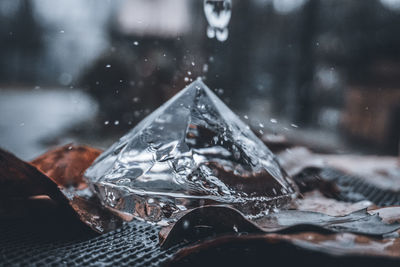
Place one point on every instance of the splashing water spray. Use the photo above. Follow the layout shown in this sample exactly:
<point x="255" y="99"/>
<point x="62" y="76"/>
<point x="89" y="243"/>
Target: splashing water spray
<point x="218" y="14"/>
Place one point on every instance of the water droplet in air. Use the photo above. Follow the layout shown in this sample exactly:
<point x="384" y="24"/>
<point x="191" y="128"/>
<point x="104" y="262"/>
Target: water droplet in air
<point x="294" y="125"/>
<point x="106" y="122"/>
<point x="273" y="120"/>
<point x="222" y="34"/>
<point x="218" y="14"/>
<point x="136" y="43"/>
<point x="116" y="122"/>
<point x="220" y="91"/>
<point x="186" y="79"/>
<point x="210" y="32"/>
<point x="205" y="68"/>
<point x="108" y="66"/>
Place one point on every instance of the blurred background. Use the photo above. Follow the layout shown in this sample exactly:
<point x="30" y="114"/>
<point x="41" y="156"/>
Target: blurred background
<point x="325" y="73"/>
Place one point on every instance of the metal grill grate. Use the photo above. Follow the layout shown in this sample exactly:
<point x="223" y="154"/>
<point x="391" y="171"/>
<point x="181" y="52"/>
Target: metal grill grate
<point x="41" y="243"/>
<point x="52" y="241"/>
<point x="352" y="188"/>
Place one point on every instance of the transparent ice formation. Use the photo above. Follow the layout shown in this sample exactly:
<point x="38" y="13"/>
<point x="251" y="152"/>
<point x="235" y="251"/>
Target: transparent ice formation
<point x="192" y="151"/>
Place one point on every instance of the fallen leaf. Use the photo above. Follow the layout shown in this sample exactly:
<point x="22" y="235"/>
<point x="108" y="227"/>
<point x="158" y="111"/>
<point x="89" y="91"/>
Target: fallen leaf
<point x="360" y="222"/>
<point x="19" y="179"/>
<point x="208" y="221"/>
<point x="389" y="215"/>
<point x="315" y="201"/>
<point x="66" y="164"/>
<point x="59" y="175"/>
<point x="308" y="248"/>
<point x="205" y="222"/>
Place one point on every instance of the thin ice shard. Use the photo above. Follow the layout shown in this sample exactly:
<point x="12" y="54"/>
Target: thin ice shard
<point x="191" y="151"/>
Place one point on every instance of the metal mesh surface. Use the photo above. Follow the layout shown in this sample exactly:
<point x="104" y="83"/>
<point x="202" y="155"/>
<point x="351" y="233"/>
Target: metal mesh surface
<point x="49" y="243"/>
<point x="353" y="188"/>
<point x="51" y="240"/>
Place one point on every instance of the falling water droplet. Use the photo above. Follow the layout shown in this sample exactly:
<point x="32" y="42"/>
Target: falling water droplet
<point x="218" y="14"/>
<point x="220" y="91"/>
<point x="210" y="32"/>
<point x="222" y="34"/>
<point x="205" y="68"/>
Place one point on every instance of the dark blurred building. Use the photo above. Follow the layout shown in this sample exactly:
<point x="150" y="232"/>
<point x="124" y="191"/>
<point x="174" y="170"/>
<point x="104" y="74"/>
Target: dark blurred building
<point x="21" y="43"/>
<point x="330" y="65"/>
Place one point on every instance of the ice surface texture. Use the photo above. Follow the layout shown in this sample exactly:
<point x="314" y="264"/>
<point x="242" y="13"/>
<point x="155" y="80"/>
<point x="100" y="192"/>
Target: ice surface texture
<point x="191" y="151"/>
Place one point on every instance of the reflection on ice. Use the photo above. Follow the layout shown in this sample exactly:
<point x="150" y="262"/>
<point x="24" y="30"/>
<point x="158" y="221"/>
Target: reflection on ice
<point x="191" y="151"/>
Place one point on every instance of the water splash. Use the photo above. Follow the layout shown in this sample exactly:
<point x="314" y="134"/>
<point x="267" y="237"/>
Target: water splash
<point x="218" y="14"/>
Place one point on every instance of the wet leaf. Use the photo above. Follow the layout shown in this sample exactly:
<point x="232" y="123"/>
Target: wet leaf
<point x="66" y="164"/>
<point x="315" y="201"/>
<point x="309" y="248"/>
<point x="205" y="222"/>
<point x="222" y="220"/>
<point x="59" y="175"/>
<point x="19" y="179"/>
<point x="388" y="214"/>
<point x="360" y="222"/>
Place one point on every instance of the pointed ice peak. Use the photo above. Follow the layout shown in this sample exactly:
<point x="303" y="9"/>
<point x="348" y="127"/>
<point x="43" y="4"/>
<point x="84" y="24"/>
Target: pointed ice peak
<point x="191" y="151"/>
